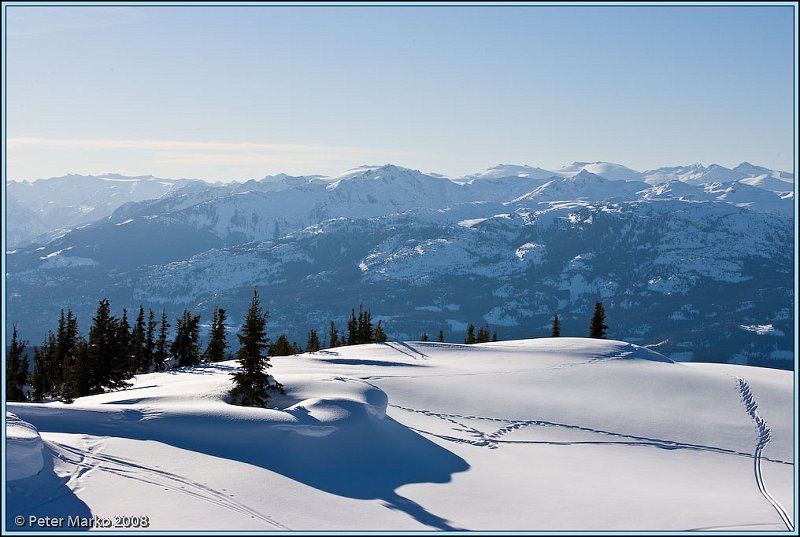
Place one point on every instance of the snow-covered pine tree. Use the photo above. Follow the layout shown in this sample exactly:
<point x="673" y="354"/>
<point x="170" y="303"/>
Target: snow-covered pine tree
<point x="251" y="382"/>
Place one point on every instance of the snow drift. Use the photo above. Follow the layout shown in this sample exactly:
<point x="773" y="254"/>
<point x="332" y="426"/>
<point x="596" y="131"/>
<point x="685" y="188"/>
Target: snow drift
<point x="23" y="449"/>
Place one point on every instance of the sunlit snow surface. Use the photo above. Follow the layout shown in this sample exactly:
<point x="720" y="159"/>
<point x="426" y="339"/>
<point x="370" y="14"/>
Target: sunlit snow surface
<point x="546" y="434"/>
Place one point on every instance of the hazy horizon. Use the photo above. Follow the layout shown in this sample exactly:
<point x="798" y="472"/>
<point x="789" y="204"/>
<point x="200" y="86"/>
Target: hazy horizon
<point x="364" y="165"/>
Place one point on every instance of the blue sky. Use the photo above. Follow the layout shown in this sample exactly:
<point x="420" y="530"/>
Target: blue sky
<point x="226" y="93"/>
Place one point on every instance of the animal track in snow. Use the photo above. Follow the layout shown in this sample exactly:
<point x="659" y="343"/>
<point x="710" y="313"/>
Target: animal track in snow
<point x="91" y="459"/>
<point x="763" y="437"/>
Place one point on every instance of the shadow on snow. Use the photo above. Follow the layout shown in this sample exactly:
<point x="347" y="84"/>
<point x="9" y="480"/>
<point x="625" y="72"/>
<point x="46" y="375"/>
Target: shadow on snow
<point x="43" y="495"/>
<point x="363" y="458"/>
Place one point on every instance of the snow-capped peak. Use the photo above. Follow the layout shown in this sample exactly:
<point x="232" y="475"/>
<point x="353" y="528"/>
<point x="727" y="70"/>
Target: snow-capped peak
<point x="389" y="173"/>
<point x="608" y="170"/>
<point x="352" y="172"/>
<point x="585" y="176"/>
<point x="510" y="170"/>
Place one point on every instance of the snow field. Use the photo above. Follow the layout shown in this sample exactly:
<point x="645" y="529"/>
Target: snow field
<point x="545" y="434"/>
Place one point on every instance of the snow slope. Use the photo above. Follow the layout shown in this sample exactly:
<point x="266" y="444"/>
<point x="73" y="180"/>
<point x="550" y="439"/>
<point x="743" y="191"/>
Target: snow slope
<point x="546" y="434"/>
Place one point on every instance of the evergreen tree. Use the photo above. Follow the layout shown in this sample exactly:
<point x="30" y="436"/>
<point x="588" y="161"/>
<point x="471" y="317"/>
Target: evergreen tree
<point x="483" y="335"/>
<point x="556" y="327"/>
<point x="369" y="328"/>
<point x="333" y="336"/>
<point x="365" y="330"/>
<point x="46" y="371"/>
<point x="598" y="327"/>
<point x="251" y="382"/>
<point x="24" y="372"/>
<point x="55" y="358"/>
<point x="494" y="335"/>
<point x="40" y="381"/>
<point x="470" y="334"/>
<point x="352" y="329"/>
<point x="126" y="357"/>
<point x="161" y="353"/>
<point x="68" y="390"/>
<point x="215" y="351"/>
<point x="313" y="341"/>
<point x="281" y="347"/>
<point x="139" y="344"/>
<point x="71" y="337"/>
<point x="185" y="347"/>
<point x="149" y="343"/>
<point x="79" y="378"/>
<point x="441" y="336"/>
<point x="360" y="325"/>
<point x="107" y="368"/>
<point x="56" y="355"/>
<point x="424" y="336"/>
<point x="380" y="336"/>
<point x="16" y="369"/>
<point x="64" y="357"/>
<point x="296" y="349"/>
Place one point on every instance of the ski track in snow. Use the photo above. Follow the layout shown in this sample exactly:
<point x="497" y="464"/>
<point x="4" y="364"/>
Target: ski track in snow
<point x="91" y="459"/>
<point x="763" y="438"/>
<point x="601" y="358"/>
<point x="494" y="440"/>
<point x="400" y="345"/>
<point x="479" y="374"/>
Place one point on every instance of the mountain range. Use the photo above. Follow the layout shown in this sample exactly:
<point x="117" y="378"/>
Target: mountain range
<point x="692" y="260"/>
